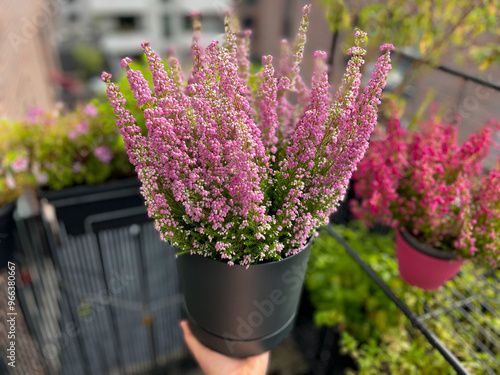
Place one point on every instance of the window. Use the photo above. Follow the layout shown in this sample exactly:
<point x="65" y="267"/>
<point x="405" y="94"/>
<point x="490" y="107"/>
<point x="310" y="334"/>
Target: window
<point x="72" y="17"/>
<point x="187" y="24"/>
<point x="209" y="24"/>
<point x="247" y="23"/>
<point x="167" y="26"/>
<point x="127" y="23"/>
<point x="212" y="24"/>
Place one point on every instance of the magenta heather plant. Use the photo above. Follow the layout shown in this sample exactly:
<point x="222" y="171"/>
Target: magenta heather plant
<point x="231" y="167"/>
<point x="425" y="183"/>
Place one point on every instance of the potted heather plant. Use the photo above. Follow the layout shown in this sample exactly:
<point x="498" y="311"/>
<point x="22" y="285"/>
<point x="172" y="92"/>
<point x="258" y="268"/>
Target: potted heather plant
<point x="237" y="175"/>
<point x="78" y="157"/>
<point x="434" y="192"/>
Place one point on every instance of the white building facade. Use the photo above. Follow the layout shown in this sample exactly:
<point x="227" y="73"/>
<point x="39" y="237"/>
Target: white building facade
<point x="118" y="27"/>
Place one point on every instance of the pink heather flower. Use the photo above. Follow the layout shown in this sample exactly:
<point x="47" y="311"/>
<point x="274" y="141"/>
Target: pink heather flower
<point x="20" y="164"/>
<point x="105" y="76"/>
<point x="244" y="167"/>
<point x="385" y="47"/>
<point x="320" y="55"/>
<point x="426" y="183"/>
<point x="125" y="62"/>
<point x="77" y="166"/>
<point x="72" y="134"/>
<point x="82" y="128"/>
<point x="10" y="182"/>
<point x="104" y="154"/>
<point x="267" y="105"/>
<point x="90" y="110"/>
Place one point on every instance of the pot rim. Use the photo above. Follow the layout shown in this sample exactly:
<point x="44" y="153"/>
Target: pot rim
<point x="308" y="245"/>
<point x="426" y="249"/>
<point x="8" y="208"/>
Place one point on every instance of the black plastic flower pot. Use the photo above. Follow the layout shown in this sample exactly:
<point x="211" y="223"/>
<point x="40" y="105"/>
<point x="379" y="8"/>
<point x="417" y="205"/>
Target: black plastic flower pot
<point x="7" y="242"/>
<point x="241" y="312"/>
<point x="75" y="204"/>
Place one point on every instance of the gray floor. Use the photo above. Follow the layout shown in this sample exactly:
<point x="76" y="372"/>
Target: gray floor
<point x="114" y="321"/>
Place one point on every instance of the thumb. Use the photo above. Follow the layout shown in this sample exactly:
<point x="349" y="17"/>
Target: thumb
<point x="193" y="344"/>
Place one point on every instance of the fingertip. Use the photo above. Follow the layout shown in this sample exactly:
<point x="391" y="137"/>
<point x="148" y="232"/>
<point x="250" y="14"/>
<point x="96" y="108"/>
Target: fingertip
<point x="186" y="330"/>
<point x="190" y="340"/>
<point x="184" y="325"/>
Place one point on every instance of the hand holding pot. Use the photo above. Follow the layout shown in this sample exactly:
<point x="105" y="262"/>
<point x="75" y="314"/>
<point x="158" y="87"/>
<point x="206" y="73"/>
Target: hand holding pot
<point x="213" y="363"/>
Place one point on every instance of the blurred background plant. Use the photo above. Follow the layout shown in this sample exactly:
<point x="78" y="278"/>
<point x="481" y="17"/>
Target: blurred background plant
<point x="426" y="183"/>
<point x="374" y="332"/>
<point x="56" y="149"/>
<point x="425" y="29"/>
<point x="89" y="60"/>
<point x="15" y="175"/>
<point x="425" y="33"/>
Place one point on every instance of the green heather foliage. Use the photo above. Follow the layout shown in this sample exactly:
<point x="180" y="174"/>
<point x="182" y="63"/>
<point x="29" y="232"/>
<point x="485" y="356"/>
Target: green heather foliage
<point x="374" y="331"/>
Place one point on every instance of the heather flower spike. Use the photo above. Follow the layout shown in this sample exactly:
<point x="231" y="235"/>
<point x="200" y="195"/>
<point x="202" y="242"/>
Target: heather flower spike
<point x="290" y="79"/>
<point x="233" y="166"/>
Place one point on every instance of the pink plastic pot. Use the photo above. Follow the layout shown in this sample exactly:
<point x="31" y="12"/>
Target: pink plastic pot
<point x="423" y="266"/>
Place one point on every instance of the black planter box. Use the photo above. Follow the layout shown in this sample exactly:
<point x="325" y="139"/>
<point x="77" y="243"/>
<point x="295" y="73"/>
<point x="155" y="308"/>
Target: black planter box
<point x="242" y="312"/>
<point x="7" y="243"/>
<point x="74" y="205"/>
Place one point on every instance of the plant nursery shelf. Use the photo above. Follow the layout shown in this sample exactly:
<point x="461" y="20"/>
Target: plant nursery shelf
<point x="466" y="308"/>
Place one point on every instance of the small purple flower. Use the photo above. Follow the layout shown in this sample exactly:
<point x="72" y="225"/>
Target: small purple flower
<point x="90" y="110"/>
<point x="42" y="178"/>
<point x="82" y="128"/>
<point x="104" y="154"/>
<point x="76" y="167"/>
<point x="34" y="113"/>
<point x="72" y="134"/>
<point x="20" y="164"/>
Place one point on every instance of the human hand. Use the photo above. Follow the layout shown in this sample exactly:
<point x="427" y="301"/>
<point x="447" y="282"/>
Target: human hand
<point x="213" y="363"/>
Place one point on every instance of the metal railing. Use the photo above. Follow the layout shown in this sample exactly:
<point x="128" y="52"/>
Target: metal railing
<point x="464" y="300"/>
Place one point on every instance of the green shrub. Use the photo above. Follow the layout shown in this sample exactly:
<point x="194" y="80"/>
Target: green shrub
<point x="374" y="331"/>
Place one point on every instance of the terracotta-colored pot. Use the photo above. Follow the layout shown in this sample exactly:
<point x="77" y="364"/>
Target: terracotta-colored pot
<point x="424" y="266"/>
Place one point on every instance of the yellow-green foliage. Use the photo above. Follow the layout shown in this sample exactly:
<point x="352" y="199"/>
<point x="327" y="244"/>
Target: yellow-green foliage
<point x="426" y="24"/>
<point x="12" y="183"/>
